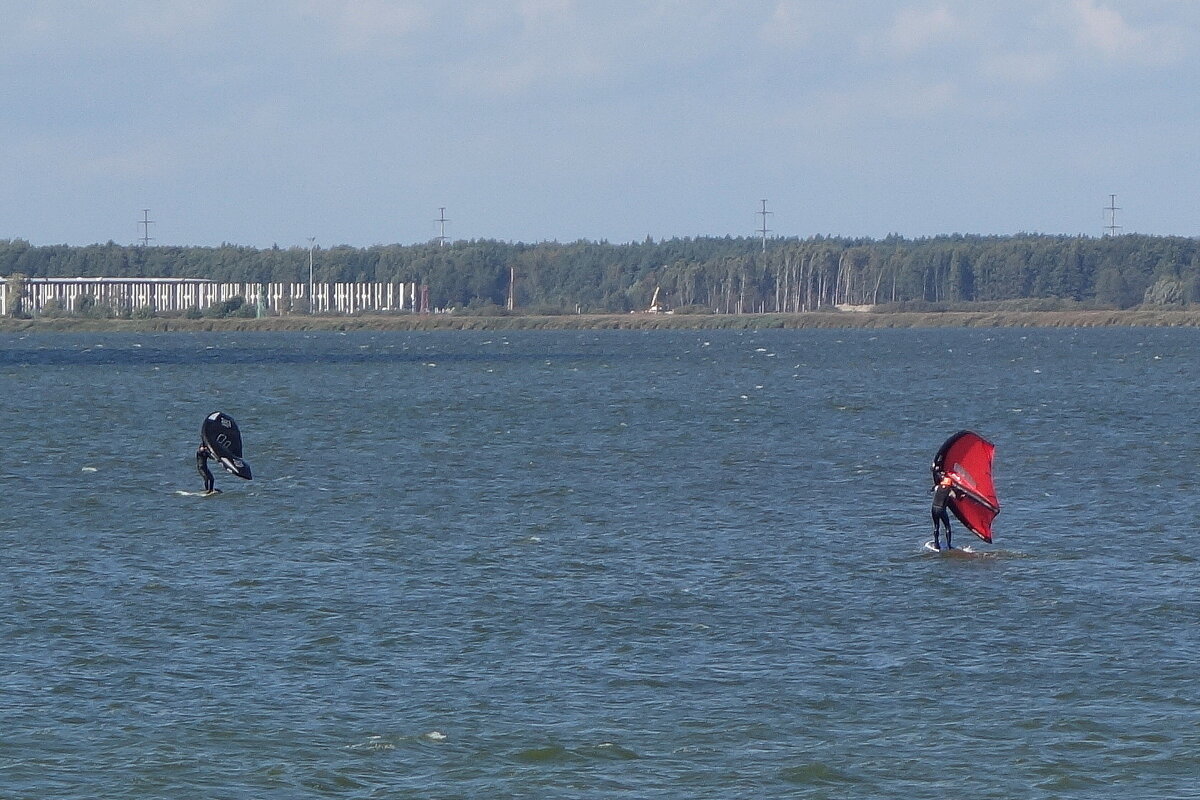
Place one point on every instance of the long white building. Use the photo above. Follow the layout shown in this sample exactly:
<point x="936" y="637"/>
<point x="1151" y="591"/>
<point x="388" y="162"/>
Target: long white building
<point x="181" y="294"/>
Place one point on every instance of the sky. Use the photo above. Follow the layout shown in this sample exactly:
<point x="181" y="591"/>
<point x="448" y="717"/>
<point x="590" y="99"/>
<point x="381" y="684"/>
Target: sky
<point x="263" y="122"/>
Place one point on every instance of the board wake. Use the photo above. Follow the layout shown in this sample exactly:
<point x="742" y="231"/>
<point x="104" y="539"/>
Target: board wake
<point x="956" y="552"/>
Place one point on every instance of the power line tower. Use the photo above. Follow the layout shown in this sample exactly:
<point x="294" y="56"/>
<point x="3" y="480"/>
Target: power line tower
<point x="1112" y="210"/>
<point x="441" y="220"/>
<point x="764" y="230"/>
<point x="146" y="222"/>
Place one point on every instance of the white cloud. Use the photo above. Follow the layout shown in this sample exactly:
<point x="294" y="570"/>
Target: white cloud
<point x="536" y="12"/>
<point x="534" y="46"/>
<point x="916" y="29"/>
<point x="168" y="20"/>
<point x="365" y="24"/>
<point x="1103" y="29"/>
<point x="790" y="23"/>
<point x="81" y="31"/>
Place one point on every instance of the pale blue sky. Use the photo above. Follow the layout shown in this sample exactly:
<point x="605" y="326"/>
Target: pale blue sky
<point x="353" y="121"/>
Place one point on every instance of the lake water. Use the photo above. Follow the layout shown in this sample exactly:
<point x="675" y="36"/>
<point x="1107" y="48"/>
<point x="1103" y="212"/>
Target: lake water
<point x="598" y="564"/>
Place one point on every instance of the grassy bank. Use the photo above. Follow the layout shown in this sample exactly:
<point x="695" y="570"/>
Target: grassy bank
<point x="946" y="319"/>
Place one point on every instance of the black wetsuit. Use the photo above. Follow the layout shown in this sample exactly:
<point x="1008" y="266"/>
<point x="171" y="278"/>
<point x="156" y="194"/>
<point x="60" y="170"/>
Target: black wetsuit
<point x="941" y="493"/>
<point x="202" y="457"/>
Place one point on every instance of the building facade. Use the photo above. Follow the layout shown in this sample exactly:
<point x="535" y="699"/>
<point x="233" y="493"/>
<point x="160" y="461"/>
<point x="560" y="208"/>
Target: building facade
<point x="181" y="294"/>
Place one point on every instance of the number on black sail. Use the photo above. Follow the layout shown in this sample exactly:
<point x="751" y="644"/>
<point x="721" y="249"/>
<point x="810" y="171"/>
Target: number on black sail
<point x="220" y="433"/>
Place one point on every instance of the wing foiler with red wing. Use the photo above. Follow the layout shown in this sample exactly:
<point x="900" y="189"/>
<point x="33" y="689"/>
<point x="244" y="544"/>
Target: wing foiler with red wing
<point x="967" y="458"/>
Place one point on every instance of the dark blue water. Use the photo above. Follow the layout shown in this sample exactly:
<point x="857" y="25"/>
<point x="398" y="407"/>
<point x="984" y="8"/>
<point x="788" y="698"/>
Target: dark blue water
<point x="597" y="564"/>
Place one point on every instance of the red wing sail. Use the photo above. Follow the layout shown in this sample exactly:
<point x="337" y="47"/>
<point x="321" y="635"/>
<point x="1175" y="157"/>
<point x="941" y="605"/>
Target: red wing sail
<point x="968" y="456"/>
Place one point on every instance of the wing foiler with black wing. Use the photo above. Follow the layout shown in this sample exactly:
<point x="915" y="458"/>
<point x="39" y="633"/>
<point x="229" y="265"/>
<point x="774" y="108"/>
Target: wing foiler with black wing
<point x="223" y="439"/>
<point x="967" y="458"/>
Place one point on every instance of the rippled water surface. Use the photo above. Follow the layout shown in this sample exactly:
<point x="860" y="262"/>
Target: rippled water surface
<point x="597" y="564"/>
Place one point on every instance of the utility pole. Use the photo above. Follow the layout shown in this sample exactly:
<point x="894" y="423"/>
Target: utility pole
<point x="441" y="220"/>
<point x="764" y="230"/>
<point x="1112" y="210"/>
<point x="146" y="222"/>
<point x="312" y="300"/>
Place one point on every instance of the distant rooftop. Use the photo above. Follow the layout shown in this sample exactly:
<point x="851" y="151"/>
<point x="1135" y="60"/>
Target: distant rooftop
<point x="119" y="280"/>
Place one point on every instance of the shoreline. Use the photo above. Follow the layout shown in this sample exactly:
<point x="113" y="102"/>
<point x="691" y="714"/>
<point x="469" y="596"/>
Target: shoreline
<point x="638" y="321"/>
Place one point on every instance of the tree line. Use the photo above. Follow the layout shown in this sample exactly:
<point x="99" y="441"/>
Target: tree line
<point x="703" y="274"/>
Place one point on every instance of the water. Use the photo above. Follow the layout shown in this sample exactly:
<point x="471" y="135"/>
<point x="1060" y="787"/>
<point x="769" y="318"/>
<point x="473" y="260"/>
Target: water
<point x="597" y="564"/>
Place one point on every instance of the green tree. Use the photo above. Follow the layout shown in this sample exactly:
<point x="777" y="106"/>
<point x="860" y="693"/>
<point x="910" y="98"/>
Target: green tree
<point x="16" y="293"/>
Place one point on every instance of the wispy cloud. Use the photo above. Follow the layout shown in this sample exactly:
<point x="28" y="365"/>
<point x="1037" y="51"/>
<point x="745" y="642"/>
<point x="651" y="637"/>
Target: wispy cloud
<point x="1103" y="29"/>
<point x="789" y="23"/>
<point x="915" y="29"/>
<point x="358" y="25"/>
<point x="536" y="46"/>
<point x="171" y="21"/>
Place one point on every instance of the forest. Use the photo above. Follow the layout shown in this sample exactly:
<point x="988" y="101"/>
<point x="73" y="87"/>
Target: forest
<point x="696" y="275"/>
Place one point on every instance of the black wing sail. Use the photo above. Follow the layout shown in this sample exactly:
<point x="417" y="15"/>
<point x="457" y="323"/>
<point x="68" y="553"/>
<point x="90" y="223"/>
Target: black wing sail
<point x="223" y="439"/>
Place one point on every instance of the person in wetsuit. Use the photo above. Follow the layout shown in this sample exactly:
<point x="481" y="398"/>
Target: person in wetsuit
<point x="203" y="454"/>
<point x="943" y="490"/>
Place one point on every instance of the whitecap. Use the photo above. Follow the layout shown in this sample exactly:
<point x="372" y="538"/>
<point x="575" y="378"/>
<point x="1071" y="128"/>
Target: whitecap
<point x="375" y="743"/>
